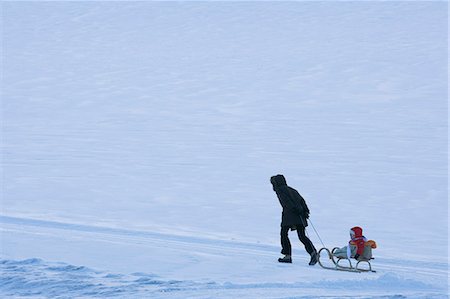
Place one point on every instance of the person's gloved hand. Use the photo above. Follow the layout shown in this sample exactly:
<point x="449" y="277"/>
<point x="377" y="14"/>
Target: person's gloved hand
<point x="357" y="256"/>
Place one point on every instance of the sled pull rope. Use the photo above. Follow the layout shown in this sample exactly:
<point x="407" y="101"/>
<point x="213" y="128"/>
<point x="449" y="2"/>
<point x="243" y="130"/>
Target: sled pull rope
<point x="316" y="233"/>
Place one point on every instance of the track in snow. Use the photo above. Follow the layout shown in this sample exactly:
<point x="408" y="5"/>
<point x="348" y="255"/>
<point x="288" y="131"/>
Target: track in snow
<point x="194" y="266"/>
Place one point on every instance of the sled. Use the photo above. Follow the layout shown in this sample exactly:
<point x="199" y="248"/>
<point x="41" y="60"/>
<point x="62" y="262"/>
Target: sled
<point x="336" y="265"/>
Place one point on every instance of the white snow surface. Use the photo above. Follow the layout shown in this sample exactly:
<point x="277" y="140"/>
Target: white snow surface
<point x="138" y="139"/>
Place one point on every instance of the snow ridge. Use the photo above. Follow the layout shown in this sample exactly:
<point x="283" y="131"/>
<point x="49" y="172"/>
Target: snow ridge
<point x="36" y="277"/>
<point x="192" y="269"/>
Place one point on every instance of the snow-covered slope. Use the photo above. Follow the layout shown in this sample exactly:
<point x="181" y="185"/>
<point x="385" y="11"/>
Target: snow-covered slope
<point x="156" y="265"/>
<point x="158" y="125"/>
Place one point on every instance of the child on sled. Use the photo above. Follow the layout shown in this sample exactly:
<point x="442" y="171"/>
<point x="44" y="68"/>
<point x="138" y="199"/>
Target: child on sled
<point x="358" y="248"/>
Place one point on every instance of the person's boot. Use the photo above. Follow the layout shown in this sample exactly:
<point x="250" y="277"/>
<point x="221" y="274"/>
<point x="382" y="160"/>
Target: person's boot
<point x="314" y="259"/>
<point x="286" y="259"/>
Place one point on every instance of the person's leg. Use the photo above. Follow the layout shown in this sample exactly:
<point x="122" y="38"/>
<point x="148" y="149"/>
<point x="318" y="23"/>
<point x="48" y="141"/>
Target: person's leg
<point x="286" y="246"/>
<point x="285" y="243"/>
<point x="341" y="252"/>
<point x="308" y="245"/>
<point x="305" y="240"/>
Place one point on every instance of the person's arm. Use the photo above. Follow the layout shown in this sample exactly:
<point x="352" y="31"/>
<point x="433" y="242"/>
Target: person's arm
<point x="286" y="201"/>
<point x="300" y="203"/>
<point x="359" y="247"/>
<point x="304" y="206"/>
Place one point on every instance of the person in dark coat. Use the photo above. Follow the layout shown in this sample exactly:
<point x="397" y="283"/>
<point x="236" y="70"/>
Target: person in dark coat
<point x="294" y="217"/>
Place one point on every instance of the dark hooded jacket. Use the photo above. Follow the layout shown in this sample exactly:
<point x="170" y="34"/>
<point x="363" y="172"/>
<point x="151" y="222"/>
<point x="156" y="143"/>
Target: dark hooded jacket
<point x="295" y="210"/>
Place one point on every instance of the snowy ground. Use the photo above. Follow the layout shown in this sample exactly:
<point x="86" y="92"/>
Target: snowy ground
<point x="138" y="139"/>
<point x="187" y="266"/>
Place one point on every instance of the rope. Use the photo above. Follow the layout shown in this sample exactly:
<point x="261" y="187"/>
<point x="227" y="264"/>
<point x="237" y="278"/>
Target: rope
<point x="316" y="233"/>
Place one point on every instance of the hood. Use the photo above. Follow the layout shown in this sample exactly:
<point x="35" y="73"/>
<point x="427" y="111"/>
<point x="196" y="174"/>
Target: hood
<point x="358" y="231"/>
<point x="278" y="181"/>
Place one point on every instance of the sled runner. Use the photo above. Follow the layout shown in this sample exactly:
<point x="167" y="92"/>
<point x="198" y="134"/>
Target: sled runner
<point x="336" y="257"/>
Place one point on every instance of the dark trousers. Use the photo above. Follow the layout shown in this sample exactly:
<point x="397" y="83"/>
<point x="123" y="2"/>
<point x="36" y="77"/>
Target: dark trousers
<point x="286" y="244"/>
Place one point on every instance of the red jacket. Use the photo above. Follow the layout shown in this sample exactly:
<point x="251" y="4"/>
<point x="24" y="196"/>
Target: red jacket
<point x="358" y="239"/>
